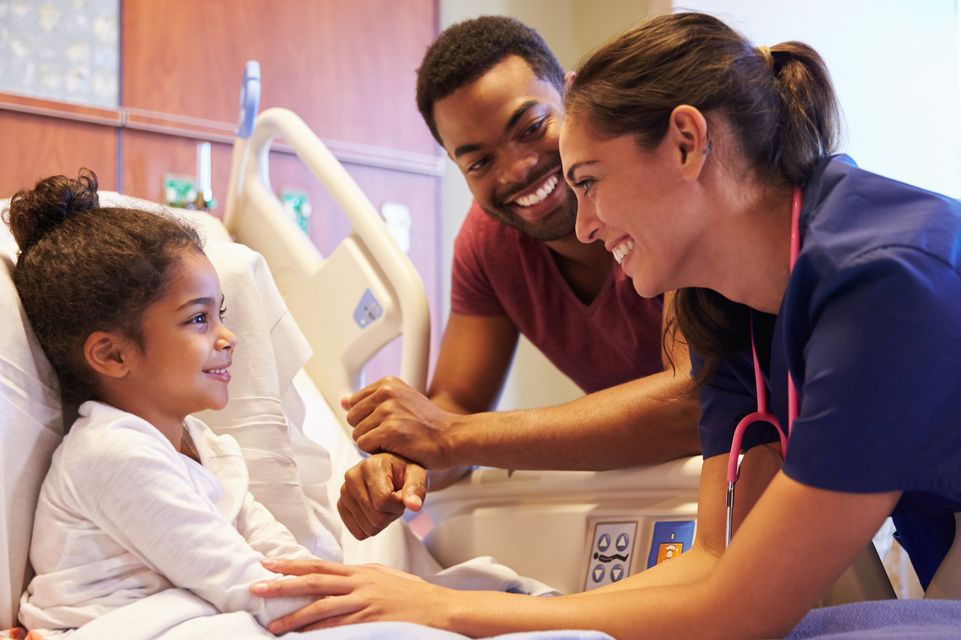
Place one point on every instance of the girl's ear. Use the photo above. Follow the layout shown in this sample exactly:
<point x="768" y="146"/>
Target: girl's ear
<point x="104" y="353"/>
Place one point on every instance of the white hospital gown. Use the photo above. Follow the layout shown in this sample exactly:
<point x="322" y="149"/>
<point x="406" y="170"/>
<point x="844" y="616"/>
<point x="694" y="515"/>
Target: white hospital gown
<point x="122" y="515"/>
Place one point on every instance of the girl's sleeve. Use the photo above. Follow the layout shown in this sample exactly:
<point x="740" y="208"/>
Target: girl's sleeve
<point x="141" y="495"/>
<point x="265" y="534"/>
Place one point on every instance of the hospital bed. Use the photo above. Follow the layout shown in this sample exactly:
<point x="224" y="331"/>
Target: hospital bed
<point x="309" y="322"/>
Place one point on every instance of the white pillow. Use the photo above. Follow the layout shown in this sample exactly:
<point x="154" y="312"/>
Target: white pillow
<point x="31" y="426"/>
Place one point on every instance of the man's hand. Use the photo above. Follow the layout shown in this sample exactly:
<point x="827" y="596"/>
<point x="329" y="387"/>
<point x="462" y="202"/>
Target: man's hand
<point x="390" y="416"/>
<point x="377" y="490"/>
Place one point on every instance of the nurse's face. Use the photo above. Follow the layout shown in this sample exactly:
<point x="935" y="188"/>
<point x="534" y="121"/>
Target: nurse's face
<point x="634" y="201"/>
<point x="501" y="131"/>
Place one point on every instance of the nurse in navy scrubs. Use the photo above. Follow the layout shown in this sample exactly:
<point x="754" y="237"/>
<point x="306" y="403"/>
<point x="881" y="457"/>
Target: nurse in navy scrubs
<point x="688" y="150"/>
<point x="696" y="158"/>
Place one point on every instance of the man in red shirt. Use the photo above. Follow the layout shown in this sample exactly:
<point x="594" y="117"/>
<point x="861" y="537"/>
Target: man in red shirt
<point x="491" y="92"/>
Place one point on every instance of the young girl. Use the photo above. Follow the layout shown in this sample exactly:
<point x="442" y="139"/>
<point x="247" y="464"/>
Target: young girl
<point x="140" y="497"/>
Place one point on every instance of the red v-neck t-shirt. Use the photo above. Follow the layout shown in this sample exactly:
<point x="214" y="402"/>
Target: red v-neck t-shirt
<point x="499" y="271"/>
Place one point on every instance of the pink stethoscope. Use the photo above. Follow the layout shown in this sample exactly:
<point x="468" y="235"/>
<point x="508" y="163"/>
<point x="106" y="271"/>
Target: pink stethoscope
<point x="762" y="414"/>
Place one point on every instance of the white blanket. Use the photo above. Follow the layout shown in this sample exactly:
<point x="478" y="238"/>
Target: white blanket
<point x="179" y="615"/>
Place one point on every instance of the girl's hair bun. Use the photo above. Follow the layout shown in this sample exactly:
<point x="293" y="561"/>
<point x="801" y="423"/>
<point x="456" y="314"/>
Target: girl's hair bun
<point x="34" y="213"/>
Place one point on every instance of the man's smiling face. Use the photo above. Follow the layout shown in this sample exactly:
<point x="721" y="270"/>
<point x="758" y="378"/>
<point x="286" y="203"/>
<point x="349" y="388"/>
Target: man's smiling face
<point x="502" y="132"/>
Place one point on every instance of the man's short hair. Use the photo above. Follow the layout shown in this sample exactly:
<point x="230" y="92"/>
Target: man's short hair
<point x="469" y="49"/>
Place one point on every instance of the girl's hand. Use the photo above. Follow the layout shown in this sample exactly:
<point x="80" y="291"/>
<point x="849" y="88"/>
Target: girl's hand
<point x="348" y="594"/>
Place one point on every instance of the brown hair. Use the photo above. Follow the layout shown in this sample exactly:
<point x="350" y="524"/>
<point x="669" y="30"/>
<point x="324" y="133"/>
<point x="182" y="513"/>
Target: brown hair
<point x="779" y="102"/>
<point x="83" y="268"/>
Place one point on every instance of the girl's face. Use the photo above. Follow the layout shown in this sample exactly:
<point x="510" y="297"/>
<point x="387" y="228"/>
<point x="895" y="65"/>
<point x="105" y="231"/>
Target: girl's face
<point x="635" y="201"/>
<point x="184" y="365"/>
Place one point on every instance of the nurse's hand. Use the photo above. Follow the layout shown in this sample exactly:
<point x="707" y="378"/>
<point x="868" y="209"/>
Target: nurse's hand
<point x="350" y="594"/>
<point x="389" y="415"/>
<point x="377" y="490"/>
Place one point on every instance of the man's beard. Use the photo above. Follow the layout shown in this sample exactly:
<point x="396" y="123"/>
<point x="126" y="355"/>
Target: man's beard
<point x="557" y="224"/>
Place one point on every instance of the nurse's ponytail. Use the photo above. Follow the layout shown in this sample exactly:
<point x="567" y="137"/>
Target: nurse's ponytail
<point x="778" y="101"/>
<point x="808" y="119"/>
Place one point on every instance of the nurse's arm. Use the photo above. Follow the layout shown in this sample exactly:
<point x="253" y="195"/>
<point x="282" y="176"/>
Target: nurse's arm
<point x="791" y="548"/>
<point x="758" y="468"/>
<point x="786" y="553"/>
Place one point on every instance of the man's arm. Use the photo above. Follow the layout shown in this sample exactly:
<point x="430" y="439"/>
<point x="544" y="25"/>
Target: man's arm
<point x="644" y="421"/>
<point x="472" y="365"/>
<point x="641" y="422"/>
<point x="475" y="354"/>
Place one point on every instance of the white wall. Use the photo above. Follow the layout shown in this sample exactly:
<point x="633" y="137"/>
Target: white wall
<point x="895" y="67"/>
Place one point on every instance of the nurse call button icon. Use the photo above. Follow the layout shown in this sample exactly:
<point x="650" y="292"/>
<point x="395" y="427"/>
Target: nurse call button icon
<point x="669" y="540"/>
<point x="668" y="550"/>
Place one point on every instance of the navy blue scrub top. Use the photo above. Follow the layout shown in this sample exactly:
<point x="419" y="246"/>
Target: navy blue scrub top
<point x="870" y="325"/>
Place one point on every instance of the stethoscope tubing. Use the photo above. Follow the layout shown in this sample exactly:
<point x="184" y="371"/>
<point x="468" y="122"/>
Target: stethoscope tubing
<point x="762" y="414"/>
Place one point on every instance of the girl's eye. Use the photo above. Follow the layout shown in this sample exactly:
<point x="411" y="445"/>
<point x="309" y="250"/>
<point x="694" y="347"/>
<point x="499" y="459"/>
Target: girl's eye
<point x="223" y="312"/>
<point x="200" y="318"/>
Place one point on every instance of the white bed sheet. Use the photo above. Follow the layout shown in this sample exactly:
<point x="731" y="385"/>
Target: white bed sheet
<point x="179" y="615"/>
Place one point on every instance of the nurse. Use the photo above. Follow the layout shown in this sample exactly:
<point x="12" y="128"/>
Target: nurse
<point x="690" y="152"/>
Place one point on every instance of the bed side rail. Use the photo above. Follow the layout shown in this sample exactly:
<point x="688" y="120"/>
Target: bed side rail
<point x="349" y="304"/>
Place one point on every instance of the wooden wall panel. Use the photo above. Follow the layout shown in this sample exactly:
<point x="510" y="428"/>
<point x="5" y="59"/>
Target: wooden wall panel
<point x="346" y="66"/>
<point x="38" y="146"/>
<point x="148" y="157"/>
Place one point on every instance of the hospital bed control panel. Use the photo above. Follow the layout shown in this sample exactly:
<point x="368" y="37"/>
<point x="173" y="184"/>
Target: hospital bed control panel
<point x="615" y="544"/>
<point x="368" y="309"/>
